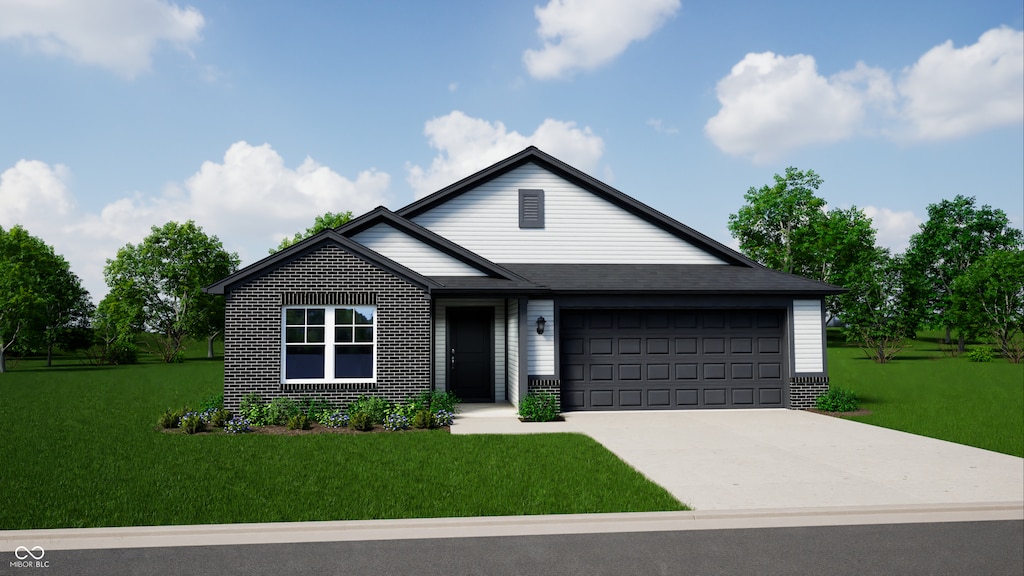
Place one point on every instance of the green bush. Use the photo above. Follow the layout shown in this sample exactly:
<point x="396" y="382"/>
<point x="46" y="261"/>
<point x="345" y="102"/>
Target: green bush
<point x="539" y="407"/>
<point x="837" y="400"/>
<point x="980" y="354"/>
<point x="376" y="407"/>
<point x="361" y="421"/>
<point x="169" y="419"/>
<point x="254" y="410"/>
<point x="192" y="422"/>
<point x="220" y="417"/>
<point x="299" y="422"/>
<point x="281" y="409"/>
<point x="423" y="419"/>
<point x="316" y="409"/>
<point x="122" y="352"/>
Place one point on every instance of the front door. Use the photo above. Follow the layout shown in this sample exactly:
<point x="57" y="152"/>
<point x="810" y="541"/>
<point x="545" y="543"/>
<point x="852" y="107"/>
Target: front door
<point x="471" y="353"/>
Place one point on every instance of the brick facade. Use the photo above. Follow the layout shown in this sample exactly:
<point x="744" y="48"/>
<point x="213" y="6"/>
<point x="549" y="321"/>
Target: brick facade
<point x="326" y="276"/>
<point x="803" y="391"/>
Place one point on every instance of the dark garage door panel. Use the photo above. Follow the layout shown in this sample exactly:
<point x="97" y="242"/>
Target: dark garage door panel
<point x="671" y="359"/>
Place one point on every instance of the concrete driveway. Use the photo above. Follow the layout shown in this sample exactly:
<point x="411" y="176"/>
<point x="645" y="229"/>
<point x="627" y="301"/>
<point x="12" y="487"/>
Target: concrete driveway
<point x="766" y="459"/>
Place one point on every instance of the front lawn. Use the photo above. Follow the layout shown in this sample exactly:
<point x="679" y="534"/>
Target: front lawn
<point x="926" y="392"/>
<point x="78" y="448"/>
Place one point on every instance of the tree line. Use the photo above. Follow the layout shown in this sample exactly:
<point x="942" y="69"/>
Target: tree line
<point x="963" y="272"/>
<point x="155" y="301"/>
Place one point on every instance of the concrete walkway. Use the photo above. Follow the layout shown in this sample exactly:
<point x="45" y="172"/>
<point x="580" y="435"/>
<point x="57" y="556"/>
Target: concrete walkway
<point x="765" y="459"/>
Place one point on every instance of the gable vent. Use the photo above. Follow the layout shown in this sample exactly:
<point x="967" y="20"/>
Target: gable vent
<point x="531" y="208"/>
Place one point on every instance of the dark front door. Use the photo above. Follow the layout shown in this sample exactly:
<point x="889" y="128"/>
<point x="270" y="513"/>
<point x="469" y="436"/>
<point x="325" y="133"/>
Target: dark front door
<point x="471" y="353"/>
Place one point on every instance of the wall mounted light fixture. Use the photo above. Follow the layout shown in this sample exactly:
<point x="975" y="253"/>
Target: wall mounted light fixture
<point x="540" y="325"/>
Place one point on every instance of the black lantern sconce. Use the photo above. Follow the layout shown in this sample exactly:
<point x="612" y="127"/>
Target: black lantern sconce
<point x="540" y="324"/>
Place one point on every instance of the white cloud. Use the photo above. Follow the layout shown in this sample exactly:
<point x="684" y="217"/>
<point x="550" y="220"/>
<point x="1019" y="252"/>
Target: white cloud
<point x="894" y="229"/>
<point x="772" y="104"/>
<point x="584" y="34"/>
<point x="250" y="200"/>
<point x="952" y="92"/>
<point x="119" y="35"/>
<point x="467" y="144"/>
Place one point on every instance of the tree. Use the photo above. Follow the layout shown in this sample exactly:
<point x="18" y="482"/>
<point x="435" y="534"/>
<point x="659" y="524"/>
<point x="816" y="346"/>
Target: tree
<point x="879" y="311"/>
<point x="159" y="283"/>
<point x="956" y="235"/>
<point x="41" y="300"/>
<point x="786" y="227"/>
<point x="989" y="298"/>
<point x="773" y="227"/>
<point x="324" y="222"/>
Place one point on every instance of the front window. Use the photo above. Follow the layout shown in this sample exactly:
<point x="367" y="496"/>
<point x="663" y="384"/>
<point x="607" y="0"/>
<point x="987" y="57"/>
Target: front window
<point x="331" y="343"/>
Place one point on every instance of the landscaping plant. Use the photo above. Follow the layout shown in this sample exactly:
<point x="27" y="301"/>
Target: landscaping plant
<point x="375" y="407"/>
<point x="837" y="400"/>
<point x="983" y="354"/>
<point x="539" y="407"/>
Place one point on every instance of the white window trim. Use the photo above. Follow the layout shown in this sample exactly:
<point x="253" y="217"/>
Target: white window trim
<point x="328" y="346"/>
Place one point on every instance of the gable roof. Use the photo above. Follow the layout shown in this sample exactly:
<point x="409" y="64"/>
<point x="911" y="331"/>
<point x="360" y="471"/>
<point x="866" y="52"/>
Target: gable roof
<point x="381" y="215"/>
<point x="304" y="247"/>
<point x="587" y="182"/>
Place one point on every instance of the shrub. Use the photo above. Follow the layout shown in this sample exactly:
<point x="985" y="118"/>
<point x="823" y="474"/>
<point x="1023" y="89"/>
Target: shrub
<point x="170" y="419"/>
<point x="237" y="425"/>
<point x="837" y="400"/>
<point x="361" y="421"/>
<point x="539" y="407"/>
<point x="376" y="407"/>
<point x="980" y="354"/>
<point x="299" y="422"/>
<point x="443" y="418"/>
<point x="336" y="419"/>
<point x="253" y="409"/>
<point x="281" y="410"/>
<point x="423" y="419"/>
<point x="219" y="417"/>
<point x="316" y="408"/>
<point x="395" y="421"/>
<point x="192" y="422"/>
<point x="122" y="352"/>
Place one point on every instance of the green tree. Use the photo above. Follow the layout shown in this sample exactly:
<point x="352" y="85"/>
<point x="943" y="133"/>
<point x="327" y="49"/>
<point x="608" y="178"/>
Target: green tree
<point x="786" y="227"/>
<point x="775" y="226"/>
<point x="956" y="235"/>
<point x="323" y="222"/>
<point x="989" y="297"/>
<point x="879" y="311"/>
<point x="159" y="283"/>
<point x="41" y="300"/>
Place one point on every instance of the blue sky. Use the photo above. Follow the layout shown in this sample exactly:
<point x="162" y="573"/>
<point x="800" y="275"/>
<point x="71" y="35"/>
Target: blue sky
<point x="253" y="117"/>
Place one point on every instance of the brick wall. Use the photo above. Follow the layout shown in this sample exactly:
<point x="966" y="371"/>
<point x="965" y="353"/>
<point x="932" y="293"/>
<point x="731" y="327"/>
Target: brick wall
<point x="549" y="385"/>
<point x="328" y="275"/>
<point x="804" y="390"/>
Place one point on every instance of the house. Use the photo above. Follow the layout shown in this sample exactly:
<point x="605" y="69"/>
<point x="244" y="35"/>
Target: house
<point x="528" y="275"/>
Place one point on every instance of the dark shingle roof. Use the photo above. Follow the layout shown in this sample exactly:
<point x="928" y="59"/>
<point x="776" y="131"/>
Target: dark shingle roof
<point x="668" y="279"/>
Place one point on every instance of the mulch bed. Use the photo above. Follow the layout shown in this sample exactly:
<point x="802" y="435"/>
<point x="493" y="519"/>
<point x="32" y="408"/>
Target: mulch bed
<point x="315" y="429"/>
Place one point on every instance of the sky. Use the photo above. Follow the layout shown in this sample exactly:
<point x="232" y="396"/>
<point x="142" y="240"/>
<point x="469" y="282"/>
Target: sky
<point x="252" y="117"/>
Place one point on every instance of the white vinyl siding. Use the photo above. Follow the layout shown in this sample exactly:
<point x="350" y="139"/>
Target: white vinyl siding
<point x="513" y="352"/>
<point x="413" y="254"/>
<point x="807" y="337"/>
<point x="579" y="227"/>
<point x="540" y="347"/>
<point x="441" y="343"/>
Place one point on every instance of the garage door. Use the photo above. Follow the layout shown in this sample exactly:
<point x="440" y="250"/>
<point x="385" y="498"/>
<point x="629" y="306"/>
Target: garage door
<point x="671" y="359"/>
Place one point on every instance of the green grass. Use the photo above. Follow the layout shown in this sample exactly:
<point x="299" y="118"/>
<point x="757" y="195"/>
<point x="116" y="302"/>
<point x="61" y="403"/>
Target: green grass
<point x="926" y="392"/>
<point x="79" y="449"/>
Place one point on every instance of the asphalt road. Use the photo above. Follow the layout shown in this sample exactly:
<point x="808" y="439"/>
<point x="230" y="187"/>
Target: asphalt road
<point x="955" y="548"/>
